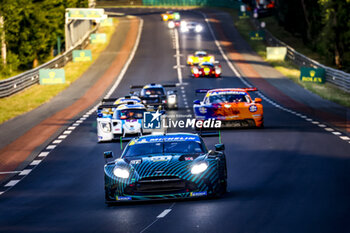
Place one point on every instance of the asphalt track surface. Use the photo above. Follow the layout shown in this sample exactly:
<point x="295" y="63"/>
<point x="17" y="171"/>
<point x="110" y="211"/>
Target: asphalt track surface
<point x="291" y="176"/>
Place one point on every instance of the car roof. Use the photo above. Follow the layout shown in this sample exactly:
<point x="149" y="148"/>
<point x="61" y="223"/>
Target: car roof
<point x="153" y="85"/>
<point x="167" y="137"/>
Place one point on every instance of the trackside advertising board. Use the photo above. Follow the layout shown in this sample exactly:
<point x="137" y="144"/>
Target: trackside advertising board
<point x="82" y="55"/>
<point x="315" y="75"/>
<point x="98" y="38"/>
<point x="85" y="13"/>
<point x="51" y="76"/>
<point x="276" y="53"/>
<point x="106" y="22"/>
<point x="257" y="35"/>
<point x="243" y="15"/>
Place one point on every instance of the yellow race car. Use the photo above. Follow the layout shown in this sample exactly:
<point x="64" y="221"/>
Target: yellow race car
<point x="170" y="15"/>
<point x="199" y="57"/>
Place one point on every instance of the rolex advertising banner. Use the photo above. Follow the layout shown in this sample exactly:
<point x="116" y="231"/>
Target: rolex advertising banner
<point x="315" y="75"/>
<point x="276" y="53"/>
<point x="98" y="38"/>
<point x="257" y="35"/>
<point x="243" y="15"/>
<point x="106" y="22"/>
<point x="51" y="76"/>
<point x="82" y="55"/>
<point x="86" y="13"/>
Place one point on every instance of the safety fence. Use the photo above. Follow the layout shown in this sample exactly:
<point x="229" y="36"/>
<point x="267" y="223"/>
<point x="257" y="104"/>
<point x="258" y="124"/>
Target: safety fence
<point x="338" y="78"/>
<point x="21" y="81"/>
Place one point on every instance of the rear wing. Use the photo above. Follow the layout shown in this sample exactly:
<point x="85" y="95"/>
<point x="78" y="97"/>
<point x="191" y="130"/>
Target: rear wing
<point x="141" y="86"/>
<point x="245" y="89"/>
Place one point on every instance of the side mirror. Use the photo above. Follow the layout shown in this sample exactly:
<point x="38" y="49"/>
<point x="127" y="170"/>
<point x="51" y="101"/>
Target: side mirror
<point x="197" y="102"/>
<point x="257" y="100"/>
<point x="108" y="154"/>
<point x="219" y="147"/>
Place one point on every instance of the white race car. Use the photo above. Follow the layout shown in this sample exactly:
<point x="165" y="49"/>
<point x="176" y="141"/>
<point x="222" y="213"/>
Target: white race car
<point x="122" y="121"/>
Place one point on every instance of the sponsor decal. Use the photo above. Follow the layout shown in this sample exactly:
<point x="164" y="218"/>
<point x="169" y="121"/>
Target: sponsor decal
<point x="253" y="108"/>
<point x="136" y="161"/>
<point x="121" y="198"/>
<point x="160" y="158"/>
<point x="198" y="194"/>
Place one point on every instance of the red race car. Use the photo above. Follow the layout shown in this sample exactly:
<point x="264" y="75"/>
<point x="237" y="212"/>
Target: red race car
<point x="206" y="69"/>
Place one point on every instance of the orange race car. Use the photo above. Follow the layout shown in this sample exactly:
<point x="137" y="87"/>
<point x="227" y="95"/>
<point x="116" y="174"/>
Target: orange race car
<point x="232" y="106"/>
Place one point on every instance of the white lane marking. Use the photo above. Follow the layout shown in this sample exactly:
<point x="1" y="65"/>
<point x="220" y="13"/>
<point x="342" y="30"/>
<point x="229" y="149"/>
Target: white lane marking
<point x="131" y="57"/>
<point x="322" y="125"/>
<point x="43" y="154"/>
<point x="345" y="138"/>
<point x="11" y="183"/>
<point x="35" y="162"/>
<point x="87" y="115"/>
<point x="57" y="141"/>
<point x="177" y="48"/>
<point x="76" y="124"/>
<point x="67" y="132"/>
<point x="188" y="110"/>
<point x="329" y="129"/>
<point x="62" y="136"/>
<point x="315" y="122"/>
<point x="79" y="121"/>
<point x="10" y="172"/>
<point x="71" y="128"/>
<point x="170" y="208"/>
<point x="25" y="172"/>
<point x="164" y="213"/>
<point x="336" y="133"/>
<point x="83" y="118"/>
<point x="1" y="193"/>
<point x="50" y="147"/>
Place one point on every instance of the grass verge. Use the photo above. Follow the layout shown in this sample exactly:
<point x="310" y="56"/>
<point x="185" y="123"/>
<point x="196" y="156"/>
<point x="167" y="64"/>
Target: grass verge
<point x="36" y="95"/>
<point x="327" y="91"/>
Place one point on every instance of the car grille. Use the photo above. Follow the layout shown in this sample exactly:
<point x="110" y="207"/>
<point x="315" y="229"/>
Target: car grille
<point x="160" y="185"/>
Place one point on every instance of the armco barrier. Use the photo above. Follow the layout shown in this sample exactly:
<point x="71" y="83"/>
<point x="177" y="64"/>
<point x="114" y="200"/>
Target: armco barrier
<point x="339" y="78"/>
<point x="19" y="82"/>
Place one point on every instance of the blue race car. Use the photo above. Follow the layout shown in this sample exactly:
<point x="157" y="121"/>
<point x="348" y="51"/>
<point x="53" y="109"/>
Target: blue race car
<point x="165" y="166"/>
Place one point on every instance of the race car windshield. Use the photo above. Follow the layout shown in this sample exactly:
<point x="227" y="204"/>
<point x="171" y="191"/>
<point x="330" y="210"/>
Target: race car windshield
<point x="127" y="114"/>
<point x="156" y="148"/>
<point x="228" y="98"/>
<point x="153" y="91"/>
<point x="201" y="54"/>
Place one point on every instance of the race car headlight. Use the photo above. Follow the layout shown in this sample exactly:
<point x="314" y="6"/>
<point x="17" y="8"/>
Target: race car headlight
<point x="199" y="28"/>
<point x="121" y="172"/>
<point x="171" y="24"/>
<point x="199" y="168"/>
<point x="172" y="99"/>
<point x="184" y="29"/>
<point x="106" y="127"/>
